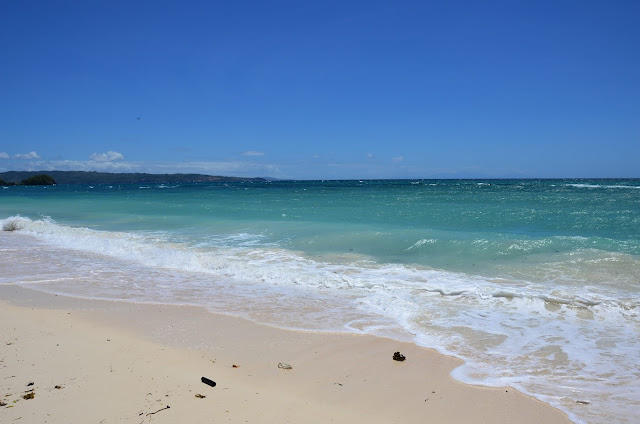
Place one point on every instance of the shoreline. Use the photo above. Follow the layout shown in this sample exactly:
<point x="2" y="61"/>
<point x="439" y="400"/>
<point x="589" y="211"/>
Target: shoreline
<point x="119" y="361"/>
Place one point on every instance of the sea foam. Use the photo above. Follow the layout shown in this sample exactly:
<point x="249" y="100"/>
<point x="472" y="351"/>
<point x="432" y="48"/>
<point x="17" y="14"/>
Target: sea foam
<point x="561" y="342"/>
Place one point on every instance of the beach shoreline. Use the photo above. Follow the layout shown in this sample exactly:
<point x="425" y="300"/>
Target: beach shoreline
<point x="120" y="361"/>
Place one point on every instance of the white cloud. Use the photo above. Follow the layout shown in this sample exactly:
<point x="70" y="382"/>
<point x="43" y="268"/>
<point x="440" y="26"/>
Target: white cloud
<point x="110" y="156"/>
<point x="397" y="159"/>
<point x="232" y="168"/>
<point x="30" y="155"/>
<point x="3" y="155"/>
<point x="252" y="153"/>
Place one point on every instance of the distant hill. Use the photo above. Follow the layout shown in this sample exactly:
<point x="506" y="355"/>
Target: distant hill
<point x="83" y="177"/>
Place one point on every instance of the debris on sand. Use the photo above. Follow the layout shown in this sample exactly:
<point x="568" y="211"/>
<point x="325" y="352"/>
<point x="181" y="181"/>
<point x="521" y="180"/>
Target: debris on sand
<point x="284" y="366"/>
<point x="152" y="413"/>
<point x="397" y="356"/>
<point x="29" y="395"/>
<point x="199" y="396"/>
<point x="205" y="380"/>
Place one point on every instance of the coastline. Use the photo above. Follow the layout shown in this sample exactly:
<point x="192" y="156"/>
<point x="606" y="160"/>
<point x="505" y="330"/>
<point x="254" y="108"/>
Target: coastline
<point x="119" y="361"/>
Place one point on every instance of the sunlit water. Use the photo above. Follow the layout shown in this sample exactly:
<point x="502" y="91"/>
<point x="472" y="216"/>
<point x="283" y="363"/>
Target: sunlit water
<point x="534" y="283"/>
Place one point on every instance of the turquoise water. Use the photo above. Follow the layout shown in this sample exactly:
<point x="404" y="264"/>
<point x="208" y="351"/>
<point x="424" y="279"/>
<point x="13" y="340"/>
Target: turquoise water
<point x="533" y="282"/>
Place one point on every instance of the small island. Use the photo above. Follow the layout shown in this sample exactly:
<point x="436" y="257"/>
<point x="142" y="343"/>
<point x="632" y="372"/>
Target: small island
<point x="41" y="179"/>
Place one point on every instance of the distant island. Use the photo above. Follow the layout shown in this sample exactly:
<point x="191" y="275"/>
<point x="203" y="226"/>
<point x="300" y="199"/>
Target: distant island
<point x="34" y="180"/>
<point x="85" y="177"/>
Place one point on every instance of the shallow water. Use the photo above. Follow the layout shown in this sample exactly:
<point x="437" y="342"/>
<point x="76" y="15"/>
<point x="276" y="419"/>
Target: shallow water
<point x="533" y="282"/>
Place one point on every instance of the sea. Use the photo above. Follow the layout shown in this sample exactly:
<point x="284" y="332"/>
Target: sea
<point x="533" y="283"/>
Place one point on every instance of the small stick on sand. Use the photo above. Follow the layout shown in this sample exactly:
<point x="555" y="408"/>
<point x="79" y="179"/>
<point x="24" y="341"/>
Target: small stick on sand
<point x="151" y="413"/>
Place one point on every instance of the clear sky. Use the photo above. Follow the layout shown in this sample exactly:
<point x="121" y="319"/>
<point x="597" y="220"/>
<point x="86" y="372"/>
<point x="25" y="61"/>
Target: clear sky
<point x="322" y="89"/>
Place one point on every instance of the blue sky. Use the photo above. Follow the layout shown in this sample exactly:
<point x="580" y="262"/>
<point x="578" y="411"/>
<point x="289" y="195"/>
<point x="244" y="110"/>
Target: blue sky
<point x="331" y="89"/>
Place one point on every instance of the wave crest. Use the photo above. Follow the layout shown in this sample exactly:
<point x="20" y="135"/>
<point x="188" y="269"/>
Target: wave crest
<point x="14" y="223"/>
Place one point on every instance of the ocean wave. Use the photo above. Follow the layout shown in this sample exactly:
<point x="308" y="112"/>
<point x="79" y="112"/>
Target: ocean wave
<point x="603" y="186"/>
<point x="245" y="257"/>
<point x="549" y="338"/>
<point x="422" y="242"/>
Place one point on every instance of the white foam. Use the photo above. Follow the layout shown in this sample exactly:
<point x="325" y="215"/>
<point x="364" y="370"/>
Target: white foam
<point x="557" y="341"/>
<point x="422" y="242"/>
<point x="602" y="186"/>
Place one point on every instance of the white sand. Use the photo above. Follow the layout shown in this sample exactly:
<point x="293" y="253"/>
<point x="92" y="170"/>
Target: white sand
<point x="120" y="362"/>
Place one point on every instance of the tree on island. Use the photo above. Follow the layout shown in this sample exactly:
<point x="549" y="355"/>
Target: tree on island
<point x="39" y="180"/>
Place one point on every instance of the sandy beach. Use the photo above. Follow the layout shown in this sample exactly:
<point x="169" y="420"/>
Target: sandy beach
<point x="88" y="361"/>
